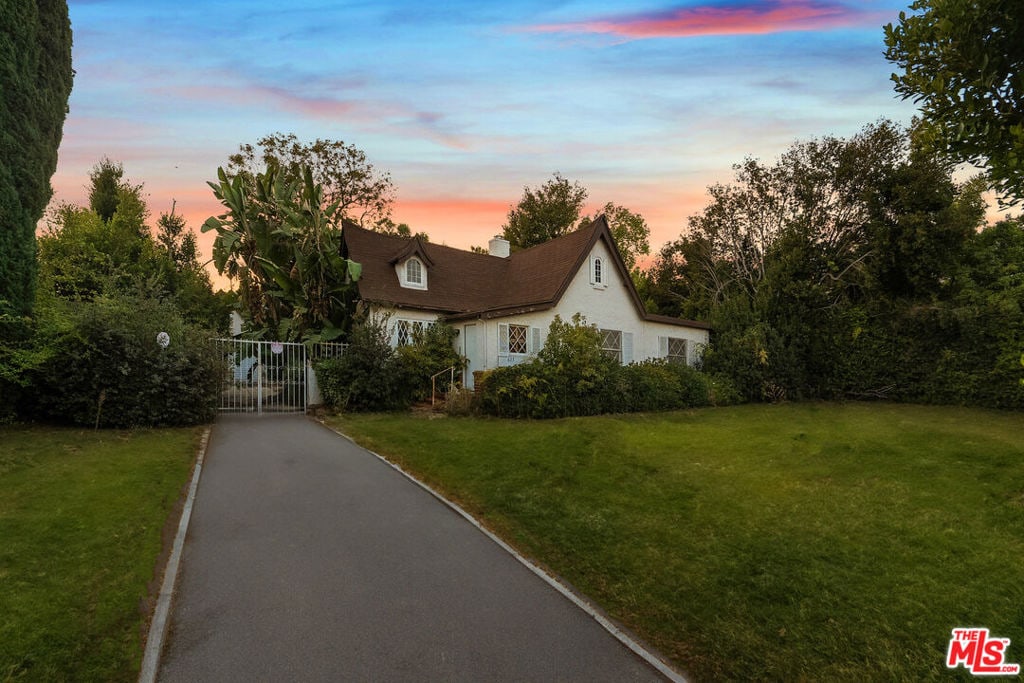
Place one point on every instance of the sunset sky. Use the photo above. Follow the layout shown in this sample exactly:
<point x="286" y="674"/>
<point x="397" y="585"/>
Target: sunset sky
<point x="464" y="103"/>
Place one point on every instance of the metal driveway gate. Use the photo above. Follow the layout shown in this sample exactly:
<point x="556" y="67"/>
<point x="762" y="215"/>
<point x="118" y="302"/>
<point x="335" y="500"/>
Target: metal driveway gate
<point x="262" y="376"/>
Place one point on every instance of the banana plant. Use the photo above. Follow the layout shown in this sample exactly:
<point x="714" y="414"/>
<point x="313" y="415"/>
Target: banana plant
<point x="283" y="246"/>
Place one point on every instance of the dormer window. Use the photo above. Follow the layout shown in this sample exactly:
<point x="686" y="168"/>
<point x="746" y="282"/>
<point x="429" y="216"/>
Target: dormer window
<point x="414" y="272"/>
<point x="412" y="265"/>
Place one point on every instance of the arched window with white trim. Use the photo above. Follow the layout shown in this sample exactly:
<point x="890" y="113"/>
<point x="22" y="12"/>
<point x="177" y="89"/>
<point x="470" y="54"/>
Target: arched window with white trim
<point x="414" y="272"/>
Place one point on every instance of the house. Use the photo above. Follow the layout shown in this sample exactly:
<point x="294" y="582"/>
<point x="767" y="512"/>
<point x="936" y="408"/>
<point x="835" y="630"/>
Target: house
<point x="502" y="303"/>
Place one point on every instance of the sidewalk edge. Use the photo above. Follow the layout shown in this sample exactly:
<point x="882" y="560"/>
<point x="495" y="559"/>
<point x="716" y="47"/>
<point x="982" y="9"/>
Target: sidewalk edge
<point x="158" y="626"/>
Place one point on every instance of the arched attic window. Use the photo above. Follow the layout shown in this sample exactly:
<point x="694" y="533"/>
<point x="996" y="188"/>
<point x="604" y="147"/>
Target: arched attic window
<point x="414" y="272"/>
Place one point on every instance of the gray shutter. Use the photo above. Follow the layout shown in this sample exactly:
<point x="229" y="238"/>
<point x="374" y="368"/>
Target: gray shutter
<point x="502" y="338"/>
<point x="627" y="348"/>
<point x="535" y="344"/>
<point x="592" y="270"/>
<point x="662" y="347"/>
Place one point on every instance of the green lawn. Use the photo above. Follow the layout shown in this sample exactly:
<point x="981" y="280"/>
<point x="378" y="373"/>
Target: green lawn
<point x="81" y="515"/>
<point x="781" y="542"/>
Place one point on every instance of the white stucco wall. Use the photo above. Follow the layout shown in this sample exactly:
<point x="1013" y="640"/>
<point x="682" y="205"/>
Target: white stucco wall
<point x="609" y="307"/>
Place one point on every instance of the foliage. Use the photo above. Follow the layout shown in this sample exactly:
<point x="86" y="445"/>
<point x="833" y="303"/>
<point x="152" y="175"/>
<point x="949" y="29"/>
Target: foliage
<point x="366" y="376"/>
<point x="629" y="230"/>
<point x="550" y="211"/>
<point x="432" y="350"/>
<point x="685" y="280"/>
<point x="106" y="187"/>
<point x="185" y="278"/>
<point x="571" y="375"/>
<point x="374" y="376"/>
<point x="832" y="542"/>
<point x="82" y="256"/>
<point x="847" y="269"/>
<point x="281" y="243"/>
<point x="83" y="512"/>
<point x="961" y="61"/>
<point x="100" y="364"/>
<point x="361" y="193"/>
<point x="35" y="83"/>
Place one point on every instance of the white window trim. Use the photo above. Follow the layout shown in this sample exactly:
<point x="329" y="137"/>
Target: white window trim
<point x="625" y="350"/>
<point x="411" y="328"/>
<point x="403" y="272"/>
<point x="663" y="347"/>
<point x="598" y="272"/>
<point x="534" y="343"/>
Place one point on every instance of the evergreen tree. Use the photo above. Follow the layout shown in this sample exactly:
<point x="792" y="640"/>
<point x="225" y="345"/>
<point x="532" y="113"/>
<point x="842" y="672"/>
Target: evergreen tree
<point x="35" y="82"/>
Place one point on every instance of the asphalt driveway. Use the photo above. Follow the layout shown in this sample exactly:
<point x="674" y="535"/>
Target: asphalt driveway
<point x="309" y="559"/>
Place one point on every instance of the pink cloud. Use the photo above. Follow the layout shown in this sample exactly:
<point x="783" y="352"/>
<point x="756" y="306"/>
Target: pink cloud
<point x="742" y="18"/>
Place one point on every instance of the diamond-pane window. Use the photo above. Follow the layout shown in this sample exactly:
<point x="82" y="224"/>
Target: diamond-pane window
<point x="517" y="338"/>
<point x="403" y="334"/>
<point x="676" y="350"/>
<point x="611" y="344"/>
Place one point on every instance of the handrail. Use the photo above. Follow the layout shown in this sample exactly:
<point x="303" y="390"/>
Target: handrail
<point x="433" y="383"/>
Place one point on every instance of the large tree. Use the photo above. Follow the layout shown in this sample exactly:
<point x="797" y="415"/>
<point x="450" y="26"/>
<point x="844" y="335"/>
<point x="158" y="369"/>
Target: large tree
<point x="823" y="272"/>
<point x="550" y="211"/>
<point x="35" y="82"/>
<point x="362" y="193"/>
<point x="962" y="61"/>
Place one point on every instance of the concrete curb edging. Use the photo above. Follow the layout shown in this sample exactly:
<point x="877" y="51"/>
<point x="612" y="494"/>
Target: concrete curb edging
<point x="637" y="648"/>
<point x="158" y="626"/>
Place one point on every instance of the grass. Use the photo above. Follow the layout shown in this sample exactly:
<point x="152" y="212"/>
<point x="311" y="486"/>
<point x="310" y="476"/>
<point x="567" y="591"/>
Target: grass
<point x="81" y="516"/>
<point x="783" y="542"/>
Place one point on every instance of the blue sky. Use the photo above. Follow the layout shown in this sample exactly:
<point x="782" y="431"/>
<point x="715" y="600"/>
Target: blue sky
<point x="464" y="103"/>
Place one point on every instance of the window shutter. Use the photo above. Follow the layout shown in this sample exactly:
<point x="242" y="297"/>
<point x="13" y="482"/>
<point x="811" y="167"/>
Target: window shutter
<point x="627" y="348"/>
<point x="592" y="281"/>
<point x="662" y="347"/>
<point x="502" y="338"/>
<point x="535" y="344"/>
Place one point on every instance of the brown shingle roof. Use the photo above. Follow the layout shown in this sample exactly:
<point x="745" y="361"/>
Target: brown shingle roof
<point x="464" y="284"/>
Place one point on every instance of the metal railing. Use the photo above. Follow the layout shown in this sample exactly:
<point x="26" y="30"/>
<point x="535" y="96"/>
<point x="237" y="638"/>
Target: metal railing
<point x="433" y="383"/>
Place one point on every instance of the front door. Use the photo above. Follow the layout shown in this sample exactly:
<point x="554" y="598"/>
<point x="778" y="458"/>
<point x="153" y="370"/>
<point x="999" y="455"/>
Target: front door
<point x="471" y="350"/>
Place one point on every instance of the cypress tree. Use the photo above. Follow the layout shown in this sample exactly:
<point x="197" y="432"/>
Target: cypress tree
<point x="35" y="83"/>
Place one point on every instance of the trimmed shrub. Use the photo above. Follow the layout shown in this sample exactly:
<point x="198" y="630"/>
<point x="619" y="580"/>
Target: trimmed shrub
<point x="102" y="365"/>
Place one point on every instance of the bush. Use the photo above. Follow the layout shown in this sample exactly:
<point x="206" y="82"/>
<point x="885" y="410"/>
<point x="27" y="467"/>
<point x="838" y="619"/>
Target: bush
<point x="432" y="351"/>
<point x="572" y="376"/>
<point x="99" y="363"/>
<point x="372" y="376"/>
<point x="366" y="377"/>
